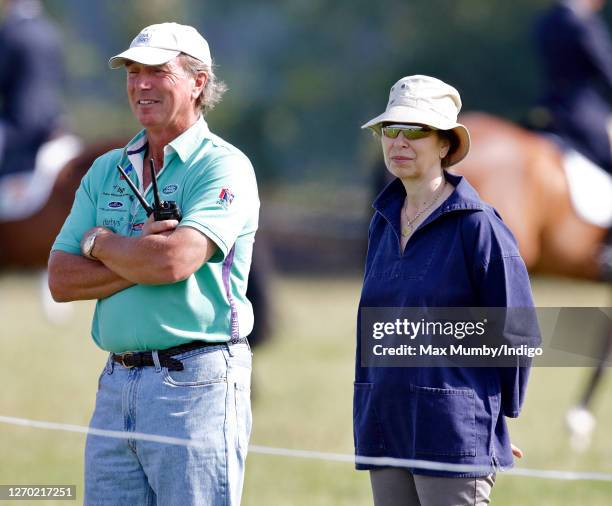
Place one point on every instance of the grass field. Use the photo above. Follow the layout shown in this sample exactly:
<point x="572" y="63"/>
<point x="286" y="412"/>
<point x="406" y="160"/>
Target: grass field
<point x="303" y="388"/>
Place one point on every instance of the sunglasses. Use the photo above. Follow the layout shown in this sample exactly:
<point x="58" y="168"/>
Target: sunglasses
<point x="410" y="132"/>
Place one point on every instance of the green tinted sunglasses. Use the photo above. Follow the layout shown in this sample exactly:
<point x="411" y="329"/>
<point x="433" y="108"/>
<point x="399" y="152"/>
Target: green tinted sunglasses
<point x="410" y="132"/>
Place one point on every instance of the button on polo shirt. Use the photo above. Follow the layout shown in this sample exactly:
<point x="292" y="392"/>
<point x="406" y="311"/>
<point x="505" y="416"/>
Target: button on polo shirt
<point x="214" y="185"/>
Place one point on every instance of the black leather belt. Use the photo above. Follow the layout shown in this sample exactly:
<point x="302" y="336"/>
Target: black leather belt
<point x="145" y="358"/>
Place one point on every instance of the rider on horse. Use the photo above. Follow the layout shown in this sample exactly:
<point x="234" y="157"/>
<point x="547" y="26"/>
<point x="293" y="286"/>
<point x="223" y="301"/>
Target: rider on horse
<point x="575" y="49"/>
<point x="576" y="52"/>
<point x="32" y="79"/>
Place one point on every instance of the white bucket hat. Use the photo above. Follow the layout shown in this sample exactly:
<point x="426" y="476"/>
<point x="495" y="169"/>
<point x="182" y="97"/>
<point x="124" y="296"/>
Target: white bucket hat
<point x="428" y="101"/>
<point x="158" y="44"/>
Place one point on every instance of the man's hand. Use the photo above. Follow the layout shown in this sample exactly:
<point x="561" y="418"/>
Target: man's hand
<point x="81" y="277"/>
<point x="164" y="253"/>
<point x="74" y="277"/>
<point x="165" y="227"/>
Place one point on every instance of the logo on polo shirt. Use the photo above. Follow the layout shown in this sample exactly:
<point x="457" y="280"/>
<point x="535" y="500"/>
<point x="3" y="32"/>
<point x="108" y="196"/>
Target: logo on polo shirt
<point x="112" y="223"/>
<point x="226" y="197"/>
<point x="115" y="204"/>
<point x="127" y="171"/>
<point x="168" y="189"/>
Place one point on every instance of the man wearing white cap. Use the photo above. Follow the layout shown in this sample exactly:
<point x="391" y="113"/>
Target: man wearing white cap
<point x="171" y="305"/>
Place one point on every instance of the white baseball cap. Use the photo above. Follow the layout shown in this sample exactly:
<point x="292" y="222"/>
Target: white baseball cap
<point x="158" y="44"/>
<point x="427" y="101"/>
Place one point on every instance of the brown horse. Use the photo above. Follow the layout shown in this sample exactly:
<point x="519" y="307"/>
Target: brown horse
<point x="521" y="175"/>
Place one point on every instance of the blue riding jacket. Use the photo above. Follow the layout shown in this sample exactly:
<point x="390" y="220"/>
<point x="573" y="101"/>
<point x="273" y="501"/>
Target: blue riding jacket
<point x="462" y="255"/>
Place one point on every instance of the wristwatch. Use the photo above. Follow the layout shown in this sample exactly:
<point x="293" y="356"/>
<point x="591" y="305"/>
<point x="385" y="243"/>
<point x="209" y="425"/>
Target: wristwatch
<point x="89" y="244"/>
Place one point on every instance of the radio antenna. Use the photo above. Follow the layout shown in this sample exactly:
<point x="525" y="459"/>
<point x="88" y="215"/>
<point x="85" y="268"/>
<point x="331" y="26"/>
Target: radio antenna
<point x="157" y="203"/>
<point x="144" y="203"/>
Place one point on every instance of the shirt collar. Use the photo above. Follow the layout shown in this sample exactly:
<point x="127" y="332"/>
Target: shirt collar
<point x="184" y="145"/>
<point x="191" y="139"/>
<point x="390" y="201"/>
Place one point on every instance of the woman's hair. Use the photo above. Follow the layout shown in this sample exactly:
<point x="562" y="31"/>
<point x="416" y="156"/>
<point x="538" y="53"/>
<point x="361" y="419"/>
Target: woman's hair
<point x="451" y="137"/>
<point x="214" y="88"/>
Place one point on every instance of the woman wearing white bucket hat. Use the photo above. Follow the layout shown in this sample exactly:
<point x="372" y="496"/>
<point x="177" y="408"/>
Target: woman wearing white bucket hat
<point x="434" y="244"/>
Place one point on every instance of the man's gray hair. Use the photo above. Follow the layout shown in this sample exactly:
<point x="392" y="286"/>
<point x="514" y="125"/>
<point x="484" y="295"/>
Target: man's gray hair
<point x="214" y="89"/>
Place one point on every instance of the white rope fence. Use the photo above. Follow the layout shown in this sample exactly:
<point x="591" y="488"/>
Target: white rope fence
<point x="306" y="454"/>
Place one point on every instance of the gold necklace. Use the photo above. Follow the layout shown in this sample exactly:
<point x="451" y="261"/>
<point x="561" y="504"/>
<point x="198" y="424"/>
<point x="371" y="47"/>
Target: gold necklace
<point x="410" y="222"/>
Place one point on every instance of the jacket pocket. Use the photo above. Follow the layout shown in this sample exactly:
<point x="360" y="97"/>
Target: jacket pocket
<point x="445" y="421"/>
<point x="367" y="429"/>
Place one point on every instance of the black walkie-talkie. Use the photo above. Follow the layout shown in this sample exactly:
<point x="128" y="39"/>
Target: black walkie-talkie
<point x="162" y="209"/>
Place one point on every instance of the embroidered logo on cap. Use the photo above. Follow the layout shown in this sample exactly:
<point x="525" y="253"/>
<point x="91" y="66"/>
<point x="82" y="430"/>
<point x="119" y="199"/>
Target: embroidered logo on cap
<point x="143" y="38"/>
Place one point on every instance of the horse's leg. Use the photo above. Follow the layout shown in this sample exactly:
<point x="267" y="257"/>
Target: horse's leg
<point x="598" y="372"/>
<point x="579" y="419"/>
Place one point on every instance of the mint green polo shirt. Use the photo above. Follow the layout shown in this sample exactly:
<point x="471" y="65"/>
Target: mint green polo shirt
<point x="214" y="185"/>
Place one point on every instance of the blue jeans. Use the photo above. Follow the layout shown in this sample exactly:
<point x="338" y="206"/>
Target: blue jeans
<point x="208" y="402"/>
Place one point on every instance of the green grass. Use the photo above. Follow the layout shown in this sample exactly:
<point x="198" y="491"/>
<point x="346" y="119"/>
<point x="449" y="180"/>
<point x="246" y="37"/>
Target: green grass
<point x="303" y="389"/>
